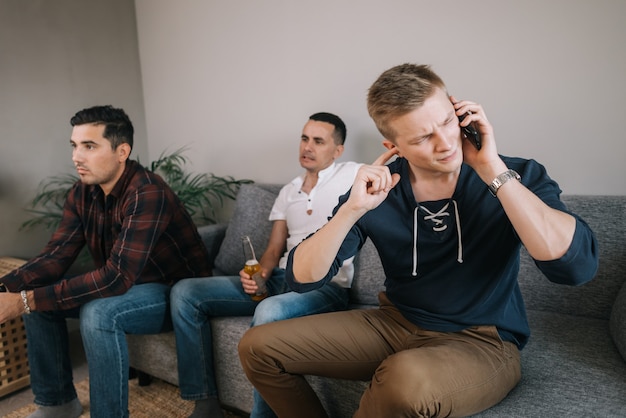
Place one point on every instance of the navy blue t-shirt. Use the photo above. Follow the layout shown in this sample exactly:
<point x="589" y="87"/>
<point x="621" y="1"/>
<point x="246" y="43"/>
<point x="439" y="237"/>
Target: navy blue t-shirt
<point x="453" y="263"/>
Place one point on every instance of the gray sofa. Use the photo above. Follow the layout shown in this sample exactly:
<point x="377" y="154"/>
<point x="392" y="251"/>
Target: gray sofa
<point x="573" y="365"/>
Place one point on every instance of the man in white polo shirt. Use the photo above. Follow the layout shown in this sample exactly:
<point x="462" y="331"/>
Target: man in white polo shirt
<point x="301" y="208"/>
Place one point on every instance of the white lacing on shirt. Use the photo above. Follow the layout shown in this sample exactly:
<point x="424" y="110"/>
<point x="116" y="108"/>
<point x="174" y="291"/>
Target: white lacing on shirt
<point x="458" y="233"/>
<point x="439" y="226"/>
<point x="435" y="218"/>
<point x="414" y="272"/>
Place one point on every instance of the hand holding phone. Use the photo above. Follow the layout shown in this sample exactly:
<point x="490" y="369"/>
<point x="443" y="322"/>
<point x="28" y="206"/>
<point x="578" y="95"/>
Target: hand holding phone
<point x="471" y="133"/>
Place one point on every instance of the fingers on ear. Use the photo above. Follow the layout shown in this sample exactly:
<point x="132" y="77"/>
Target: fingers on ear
<point x="389" y="145"/>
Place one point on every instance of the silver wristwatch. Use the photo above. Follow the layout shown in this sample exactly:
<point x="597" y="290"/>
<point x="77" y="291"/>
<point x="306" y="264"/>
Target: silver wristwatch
<point x="501" y="179"/>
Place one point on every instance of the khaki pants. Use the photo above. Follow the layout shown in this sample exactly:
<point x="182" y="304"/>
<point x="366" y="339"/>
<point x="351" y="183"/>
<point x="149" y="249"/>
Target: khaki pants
<point x="413" y="372"/>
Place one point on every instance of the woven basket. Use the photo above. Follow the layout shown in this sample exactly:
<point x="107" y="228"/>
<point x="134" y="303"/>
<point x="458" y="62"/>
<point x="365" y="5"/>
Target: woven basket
<point x="14" y="372"/>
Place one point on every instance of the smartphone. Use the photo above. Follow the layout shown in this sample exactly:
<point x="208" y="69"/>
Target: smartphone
<point x="471" y="133"/>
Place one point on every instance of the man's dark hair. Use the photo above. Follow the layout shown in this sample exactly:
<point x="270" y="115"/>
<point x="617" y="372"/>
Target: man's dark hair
<point x="118" y="128"/>
<point x="340" y="132"/>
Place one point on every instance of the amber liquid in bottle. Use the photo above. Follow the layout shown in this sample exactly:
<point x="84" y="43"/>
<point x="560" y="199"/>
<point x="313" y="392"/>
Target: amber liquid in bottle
<point x="253" y="268"/>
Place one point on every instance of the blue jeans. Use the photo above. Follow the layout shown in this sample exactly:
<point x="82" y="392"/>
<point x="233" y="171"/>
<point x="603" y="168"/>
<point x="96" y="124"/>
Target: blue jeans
<point x="143" y="309"/>
<point x="195" y="301"/>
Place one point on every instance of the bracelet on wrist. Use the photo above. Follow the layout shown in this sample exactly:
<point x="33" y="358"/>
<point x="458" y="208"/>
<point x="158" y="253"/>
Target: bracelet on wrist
<point x="25" y="301"/>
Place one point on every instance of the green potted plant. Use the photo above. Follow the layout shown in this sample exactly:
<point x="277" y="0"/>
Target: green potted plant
<point x="202" y="194"/>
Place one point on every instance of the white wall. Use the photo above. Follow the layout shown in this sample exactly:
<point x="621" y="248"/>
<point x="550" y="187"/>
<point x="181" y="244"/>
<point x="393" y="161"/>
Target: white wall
<point x="236" y="80"/>
<point x="57" y="57"/>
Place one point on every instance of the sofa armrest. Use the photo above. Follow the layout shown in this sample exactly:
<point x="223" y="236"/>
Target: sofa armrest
<point x="212" y="236"/>
<point x="617" y="323"/>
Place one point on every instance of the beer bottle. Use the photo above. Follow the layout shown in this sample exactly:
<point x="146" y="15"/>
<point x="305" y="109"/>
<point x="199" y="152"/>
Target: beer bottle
<point x="253" y="268"/>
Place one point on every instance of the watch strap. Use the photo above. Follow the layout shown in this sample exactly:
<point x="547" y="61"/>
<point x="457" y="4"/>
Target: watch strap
<point x="501" y="179"/>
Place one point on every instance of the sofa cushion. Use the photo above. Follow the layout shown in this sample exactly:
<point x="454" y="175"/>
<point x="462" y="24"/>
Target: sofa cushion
<point x="254" y="223"/>
<point x="154" y="354"/>
<point x="234" y="388"/>
<point x="618" y="322"/>
<point x="569" y="369"/>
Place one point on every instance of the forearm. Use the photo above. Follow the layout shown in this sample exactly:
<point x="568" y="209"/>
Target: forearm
<point x="324" y="245"/>
<point x="76" y="291"/>
<point x="545" y="232"/>
<point x="12" y="305"/>
<point x="275" y="245"/>
<point x="313" y="257"/>
<point x="48" y="266"/>
<point x="270" y="258"/>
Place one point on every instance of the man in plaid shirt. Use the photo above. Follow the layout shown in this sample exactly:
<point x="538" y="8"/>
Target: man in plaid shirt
<point x="141" y="239"/>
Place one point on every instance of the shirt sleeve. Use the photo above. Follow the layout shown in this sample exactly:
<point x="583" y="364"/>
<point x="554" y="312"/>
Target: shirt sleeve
<point x="146" y="214"/>
<point x="279" y="209"/>
<point x="57" y="256"/>
<point x="349" y="248"/>
<point x="580" y="263"/>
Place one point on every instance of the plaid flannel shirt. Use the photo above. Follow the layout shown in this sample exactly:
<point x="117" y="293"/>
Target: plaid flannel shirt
<point x="139" y="233"/>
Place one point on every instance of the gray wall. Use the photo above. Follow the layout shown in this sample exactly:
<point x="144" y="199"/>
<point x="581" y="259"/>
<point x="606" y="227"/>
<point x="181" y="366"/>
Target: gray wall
<point x="237" y="79"/>
<point x="57" y="57"/>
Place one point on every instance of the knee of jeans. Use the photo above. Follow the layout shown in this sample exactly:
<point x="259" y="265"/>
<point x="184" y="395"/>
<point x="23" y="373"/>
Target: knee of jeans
<point x="269" y="310"/>
<point x="183" y="294"/>
<point x="177" y="295"/>
<point x="93" y="317"/>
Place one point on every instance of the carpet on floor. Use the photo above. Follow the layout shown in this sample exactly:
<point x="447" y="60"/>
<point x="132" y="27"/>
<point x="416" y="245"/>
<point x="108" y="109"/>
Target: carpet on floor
<point x="157" y="400"/>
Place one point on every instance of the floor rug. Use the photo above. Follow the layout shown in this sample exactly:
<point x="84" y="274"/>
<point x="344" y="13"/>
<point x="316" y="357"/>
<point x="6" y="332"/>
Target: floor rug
<point x="157" y="400"/>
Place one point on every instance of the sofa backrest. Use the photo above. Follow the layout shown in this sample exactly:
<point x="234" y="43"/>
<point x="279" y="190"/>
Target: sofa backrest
<point x="250" y="217"/>
<point x="605" y="214"/>
<point x="369" y="276"/>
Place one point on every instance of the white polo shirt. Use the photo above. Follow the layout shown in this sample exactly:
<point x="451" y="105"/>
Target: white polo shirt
<point x="306" y="213"/>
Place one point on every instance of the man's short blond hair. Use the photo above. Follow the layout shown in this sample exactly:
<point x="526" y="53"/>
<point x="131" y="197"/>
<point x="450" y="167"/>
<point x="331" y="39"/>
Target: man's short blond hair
<point x="398" y="91"/>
